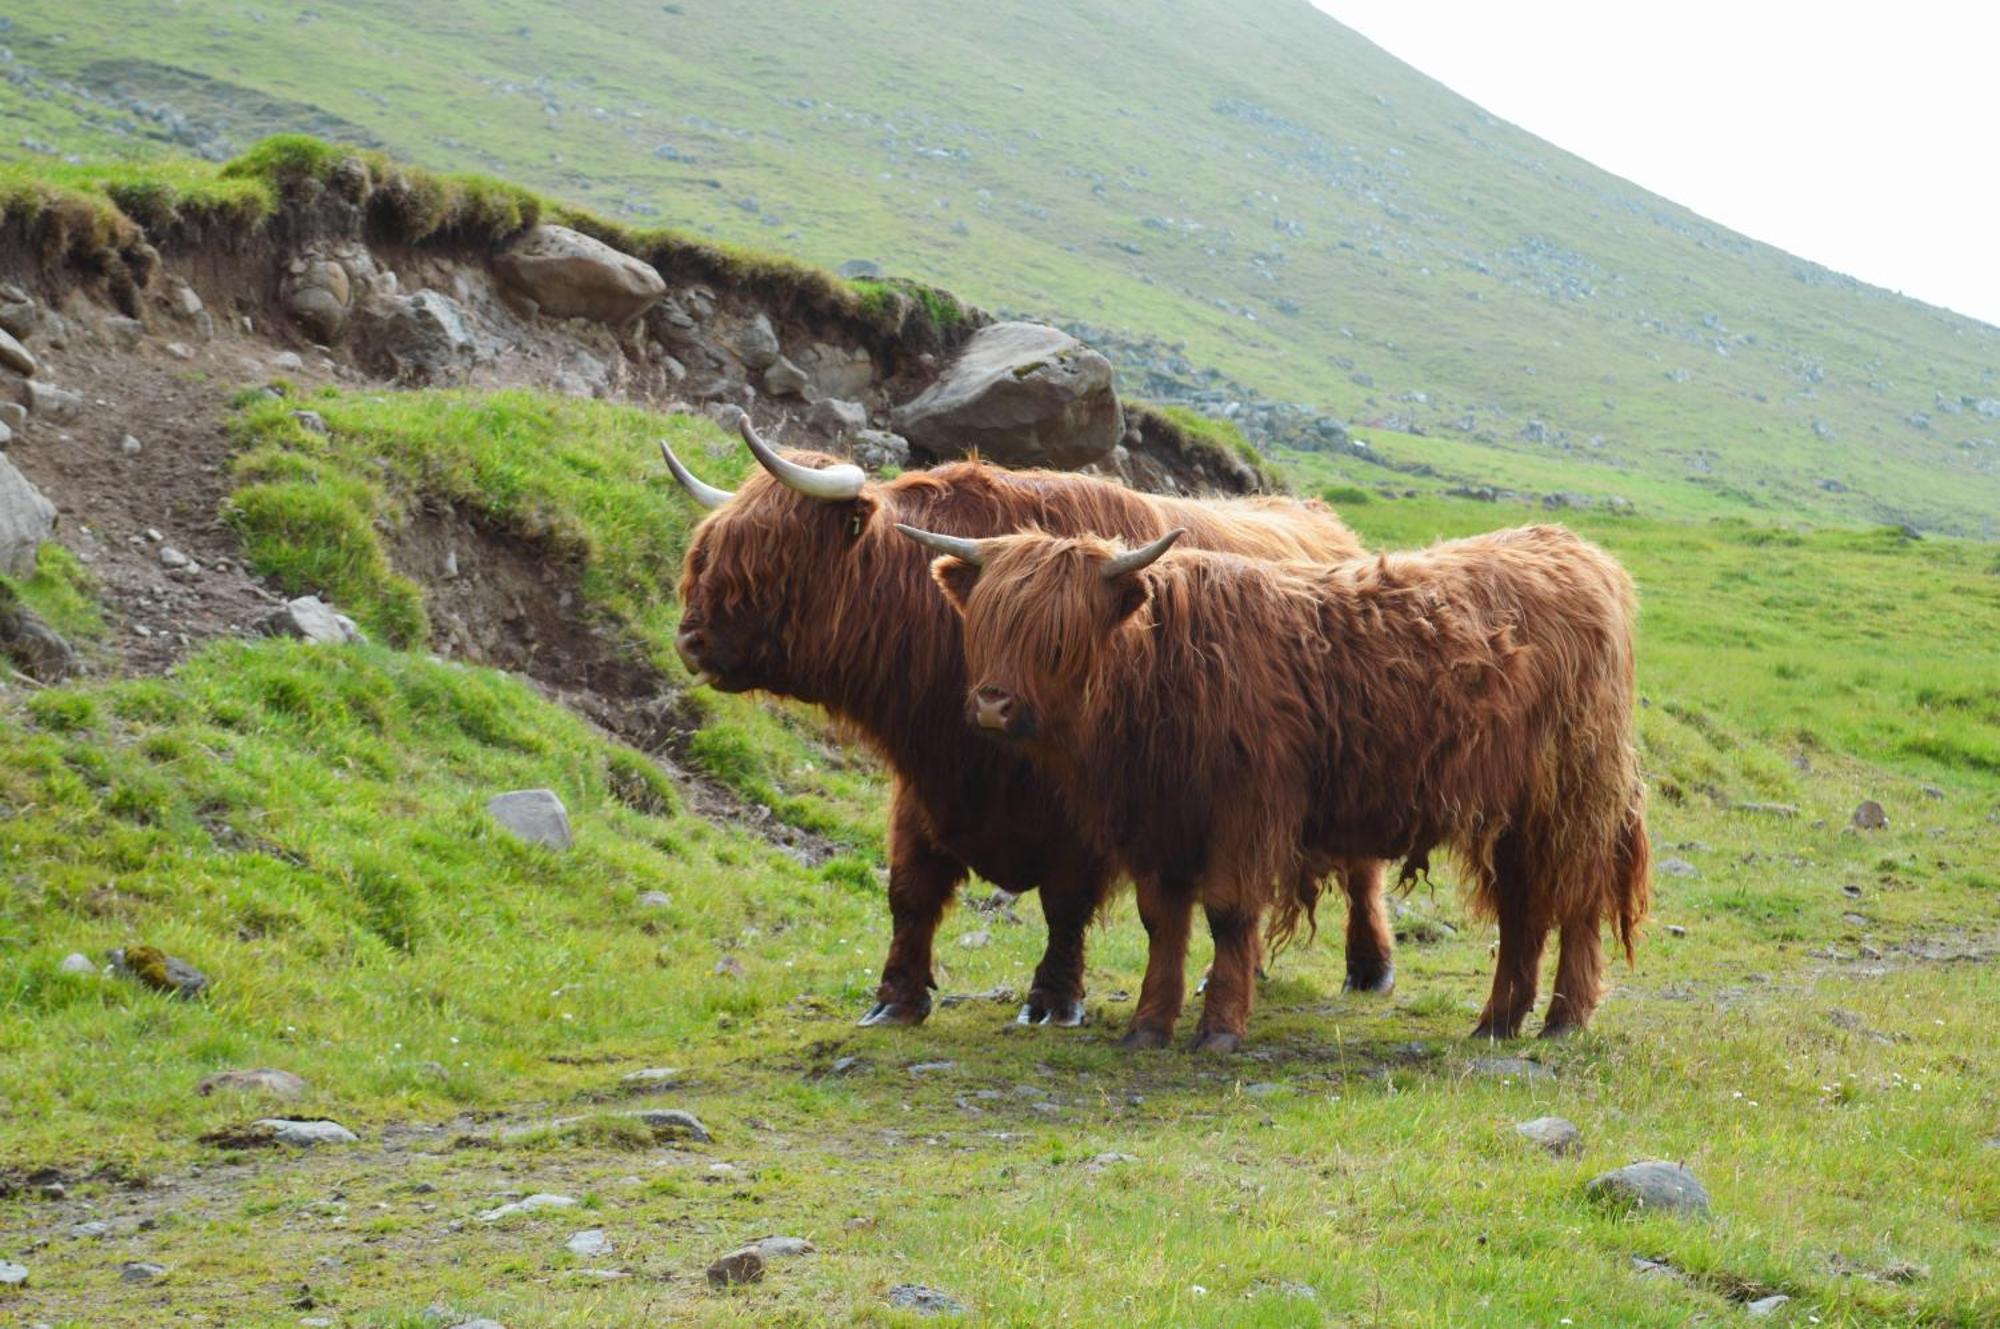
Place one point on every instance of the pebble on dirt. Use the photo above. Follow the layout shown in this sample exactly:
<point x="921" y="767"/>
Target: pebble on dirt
<point x="745" y="1265"/>
<point x="1668" y="1187"/>
<point x="309" y="619"/>
<point x="535" y="815"/>
<point x="308" y="1133"/>
<point x="1558" y="1135"/>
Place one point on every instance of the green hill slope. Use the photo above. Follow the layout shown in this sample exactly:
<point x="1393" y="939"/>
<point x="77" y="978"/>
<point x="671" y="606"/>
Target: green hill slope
<point x="1302" y="211"/>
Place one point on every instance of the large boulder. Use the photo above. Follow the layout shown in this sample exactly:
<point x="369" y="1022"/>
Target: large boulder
<point x="1020" y="394"/>
<point x="421" y="337"/>
<point x="26" y="519"/>
<point x="569" y="275"/>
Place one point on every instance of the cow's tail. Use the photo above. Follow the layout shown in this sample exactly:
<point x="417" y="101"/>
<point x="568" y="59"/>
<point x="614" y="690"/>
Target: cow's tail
<point x="1294" y="912"/>
<point x="1631" y="885"/>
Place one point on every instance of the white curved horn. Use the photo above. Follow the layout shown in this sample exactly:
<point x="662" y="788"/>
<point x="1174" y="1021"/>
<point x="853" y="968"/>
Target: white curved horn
<point x="1139" y="558"/>
<point x="835" y="484"/>
<point x="958" y="547"/>
<point x="705" y="494"/>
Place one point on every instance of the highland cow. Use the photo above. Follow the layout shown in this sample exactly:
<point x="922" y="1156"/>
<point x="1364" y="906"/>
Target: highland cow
<point x="799" y="586"/>
<point x="1212" y="719"/>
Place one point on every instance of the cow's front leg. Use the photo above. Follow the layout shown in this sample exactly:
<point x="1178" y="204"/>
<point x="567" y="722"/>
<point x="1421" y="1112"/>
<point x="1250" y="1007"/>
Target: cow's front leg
<point x="1232" y="985"/>
<point x="1371" y="965"/>
<point x="922" y="880"/>
<point x="1166" y="911"/>
<point x="1071" y="896"/>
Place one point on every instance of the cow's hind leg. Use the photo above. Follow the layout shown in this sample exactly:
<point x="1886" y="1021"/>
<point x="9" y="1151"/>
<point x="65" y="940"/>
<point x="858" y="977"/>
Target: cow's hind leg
<point x="1232" y="985"/>
<point x="922" y="880"/>
<point x="1579" y="974"/>
<point x="1071" y="897"/>
<point x="1166" y="911"/>
<point x="1524" y="929"/>
<point x="1371" y="965"/>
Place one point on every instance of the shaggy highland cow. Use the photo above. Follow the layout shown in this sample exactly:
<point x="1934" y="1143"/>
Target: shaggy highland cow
<point x="798" y="585"/>
<point x="1211" y="719"/>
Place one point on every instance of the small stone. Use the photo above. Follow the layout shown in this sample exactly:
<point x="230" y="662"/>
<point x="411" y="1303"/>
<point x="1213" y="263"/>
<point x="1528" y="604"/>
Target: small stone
<point x="745" y="1265"/>
<point x="1558" y="1135"/>
<point x="125" y="333"/>
<point x="130" y="446"/>
<point x="1765" y="1306"/>
<point x="263" y="1080"/>
<point x="306" y="1134"/>
<point x="783" y="1248"/>
<point x="1870" y="816"/>
<point x="784" y="379"/>
<point x="730" y="967"/>
<point x="16" y="356"/>
<point x="651" y="1078"/>
<point x="1679" y="867"/>
<point x="85" y="1231"/>
<point x="529" y="1205"/>
<point x="1510" y="1067"/>
<point x="309" y="619"/>
<point x="310" y="421"/>
<point x="674" y="1122"/>
<point x="924" y="1300"/>
<point x="591" y="1244"/>
<point x="1668" y="1187"/>
<point x="932" y="1067"/>
<point x="76" y="962"/>
<point x="1099" y="1162"/>
<point x="838" y="417"/>
<point x="1263" y="1089"/>
<point x="1676" y="930"/>
<point x="972" y="941"/>
<point x="13" y="415"/>
<point x="160" y="971"/>
<point x="183" y="301"/>
<point x="289" y="361"/>
<point x="13" y="1275"/>
<point x="141" y="1271"/>
<point x="171" y="557"/>
<point x="655" y="900"/>
<point x="180" y="350"/>
<point x="535" y="815"/>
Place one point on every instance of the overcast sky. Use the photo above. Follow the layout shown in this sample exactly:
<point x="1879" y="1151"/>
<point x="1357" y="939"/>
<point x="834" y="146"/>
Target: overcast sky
<point x="1863" y="136"/>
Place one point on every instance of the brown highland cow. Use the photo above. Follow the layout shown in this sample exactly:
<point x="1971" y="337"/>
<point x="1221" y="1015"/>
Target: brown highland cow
<point x="798" y="585"/>
<point x="1210" y="719"/>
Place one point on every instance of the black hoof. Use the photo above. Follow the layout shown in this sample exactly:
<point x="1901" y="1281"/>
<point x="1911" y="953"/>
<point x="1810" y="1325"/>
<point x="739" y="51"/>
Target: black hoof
<point x="1059" y="1012"/>
<point x="1560" y="1030"/>
<point x="1143" y="1037"/>
<point x="896" y="1013"/>
<point x="1493" y="1033"/>
<point x="1378" y="981"/>
<point x="1215" y="1040"/>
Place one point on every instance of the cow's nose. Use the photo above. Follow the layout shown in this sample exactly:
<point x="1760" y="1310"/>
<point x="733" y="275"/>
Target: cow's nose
<point x="691" y="644"/>
<point x="992" y="708"/>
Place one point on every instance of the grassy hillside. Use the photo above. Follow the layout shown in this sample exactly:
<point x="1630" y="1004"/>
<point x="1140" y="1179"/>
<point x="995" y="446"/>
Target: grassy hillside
<point x="1253" y="180"/>
<point x="307" y="825"/>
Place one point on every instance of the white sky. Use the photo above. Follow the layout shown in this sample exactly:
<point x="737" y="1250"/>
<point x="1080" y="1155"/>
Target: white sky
<point x="1862" y="136"/>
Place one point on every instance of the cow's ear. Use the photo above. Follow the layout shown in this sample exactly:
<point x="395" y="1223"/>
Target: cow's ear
<point x="1129" y="594"/>
<point x="860" y="511"/>
<point x="956" y="578"/>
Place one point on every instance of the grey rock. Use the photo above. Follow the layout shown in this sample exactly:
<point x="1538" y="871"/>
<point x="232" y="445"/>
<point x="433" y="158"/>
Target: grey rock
<point x="877" y="449"/>
<point x="26" y="519"/>
<point x="754" y="342"/>
<point x="309" y="619"/>
<point x="674" y="1123"/>
<point x="15" y="356"/>
<point x="1667" y="1187"/>
<point x="932" y="1067"/>
<point x="744" y="1265"/>
<point x="837" y="417"/>
<point x="124" y="333"/>
<point x="76" y="962"/>
<point x="1510" y="1068"/>
<point x="478" y="1324"/>
<point x="655" y="900"/>
<point x="289" y="361"/>
<point x="171" y="557"/>
<point x="650" y="1079"/>
<point x="1679" y="867"/>
<point x="1870" y="816"/>
<point x="13" y="1275"/>
<point x="141" y="1271"/>
<point x="783" y="1248"/>
<point x="1099" y="1162"/>
<point x="182" y="301"/>
<point x="1021" y="394"/>
<point x="860" y="267"/>
<point x="180" y="350"/>
<point x="591" y="1244"/>
<point x="924" y="1300"/>
<point x="528" y="1205"/>
<point x="90" y="1230"/>
<point x="306" y="1134"/>
<point x="130" y="446"/>
<point x="785" y="379"/>
<point x="847" y="372"/>
<point x="1764" y="1307"/>
<point x="535" y="815"/>
<point x="972" y="941"/>
<point x="730" y="967"/>
<point x="13" y="415"/>
<point x="570" y="275"/>
<point x="310" y="421"/>
<point x="1558" y="1135"/>
<point x="261" y="1080"/>
<point x="6" y="435"/>
<point x="46" y="401"/>
<point x="318" y="292"/>
<point x="163" y="972"/>
<point x="419" y="337"/>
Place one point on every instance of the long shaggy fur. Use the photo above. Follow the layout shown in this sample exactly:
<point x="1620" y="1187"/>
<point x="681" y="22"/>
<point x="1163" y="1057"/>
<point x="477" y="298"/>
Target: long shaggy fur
<point x="826" y="603"/>
<point x="1212" y="718"/>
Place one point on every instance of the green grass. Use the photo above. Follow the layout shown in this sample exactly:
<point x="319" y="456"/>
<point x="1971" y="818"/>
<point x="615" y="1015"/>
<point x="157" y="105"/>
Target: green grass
<point x="1015" y="154"/>
<point x="307" y="826"/>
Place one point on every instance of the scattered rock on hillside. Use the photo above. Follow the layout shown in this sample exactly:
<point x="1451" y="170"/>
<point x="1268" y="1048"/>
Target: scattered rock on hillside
<point x="876" y="449"/>
<point x="46" y="401"/>
<point x="782" y="1248"/>
<point x="744" y="1265"/>
<point x="651" y="1079"/>
<point x="674" y="1123"/>
<point x="591" y="1244"/>
<point x="860" y="267"/>
<point x="924" y="1300"/>
<point x="76" y="962"/>
<point x="1558" y="1135"/>
<point x="141" y="1271"/>
<point x="13" y="415"/>
<point x="27" y="519"/>
<point x="160" y="971"/>
<point x="309" y="619"/>
<point x="1766" y="1306"/>
<point x="527" y="1205"/>
<point x="1679" y="867"/>
<point x="13" y="1275"/>
<point x="570" y="275"/>
<point x="535" y="815"/>
<point x="838" y="417"/>
<point x="16" y="356"/>
<point x="1509" y="1067"/>
<point x="262" y="1080"/>
<point x="655" y="900"/>
<point x="1022" y="394"/>
<point x="306" y="1134"/>
<point x="754" y="342"/>
<point x="32" y="646"/>
<point x="421" y="337"/>
<point x="1667" y="1187"/>
<point x="1870" y="816"/>
<point x="785" y="379"/>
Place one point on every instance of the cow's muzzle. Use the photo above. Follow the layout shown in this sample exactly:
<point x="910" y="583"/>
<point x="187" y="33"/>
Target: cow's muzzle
<point x="999" y="714"/>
